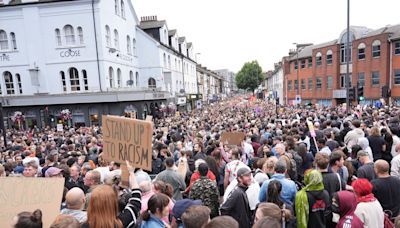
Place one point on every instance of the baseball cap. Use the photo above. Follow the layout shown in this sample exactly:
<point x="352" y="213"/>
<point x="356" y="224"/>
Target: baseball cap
<point x="362" y="153"/>
<point x="181" y="206"/>
<point x="52" y="171"/>
<point x="243" y="172"/>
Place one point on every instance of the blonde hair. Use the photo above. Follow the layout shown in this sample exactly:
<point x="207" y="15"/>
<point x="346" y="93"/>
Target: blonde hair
<point x="183" y="167"/>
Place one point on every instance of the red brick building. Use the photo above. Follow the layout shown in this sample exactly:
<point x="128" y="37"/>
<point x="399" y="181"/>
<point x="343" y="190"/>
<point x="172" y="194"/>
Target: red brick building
<point x="317" y="72"/>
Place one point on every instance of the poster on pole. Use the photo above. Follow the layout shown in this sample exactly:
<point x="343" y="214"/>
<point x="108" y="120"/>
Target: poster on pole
<point x="311" y="128"/>
<point x="128" y="139"/>
<point x="60" y="128"/>
<point x="232" y="138"/>
<point x="19" y="194"/>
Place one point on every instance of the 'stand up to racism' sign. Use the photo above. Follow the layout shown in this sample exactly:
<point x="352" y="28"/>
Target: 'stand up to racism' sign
<point x="127" y="139"/>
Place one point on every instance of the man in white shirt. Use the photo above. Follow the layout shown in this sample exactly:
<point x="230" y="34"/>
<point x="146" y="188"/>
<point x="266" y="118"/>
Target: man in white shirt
<point x="395" y="163"/>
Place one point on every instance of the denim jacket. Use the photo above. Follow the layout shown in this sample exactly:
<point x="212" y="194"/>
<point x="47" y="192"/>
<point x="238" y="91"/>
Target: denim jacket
<point x="288" y="193"/>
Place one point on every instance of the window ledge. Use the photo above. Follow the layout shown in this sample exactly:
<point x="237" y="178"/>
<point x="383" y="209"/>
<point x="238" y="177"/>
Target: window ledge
<point x="69" y="47"/>
<point x="377" y="57"/>
<point x="9" y="51"/>
<point x="361" y="59"/>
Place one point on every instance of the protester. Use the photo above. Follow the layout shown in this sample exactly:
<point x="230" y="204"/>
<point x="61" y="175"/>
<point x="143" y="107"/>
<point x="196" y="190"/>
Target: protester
<point x="28" y="220"/>
<point x="75" y="200"/>
<point x="395" y="163"/>
<point x="170" y="176"/>
<point x="367" y="168"/>
<point x="65" y="221"/>
<point x="157" y="209"/>
<point x="196" y="216"/>
<point x="344" y="203"/>
<point x="222" y="221"/>
<point x="179" y="208"/>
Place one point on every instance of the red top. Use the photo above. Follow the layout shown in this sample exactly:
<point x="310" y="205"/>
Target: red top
<point x="196" y="176"/>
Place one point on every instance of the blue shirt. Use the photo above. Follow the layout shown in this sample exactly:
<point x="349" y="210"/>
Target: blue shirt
<point x="288" y="192"/>
<point x="153" y="222"/>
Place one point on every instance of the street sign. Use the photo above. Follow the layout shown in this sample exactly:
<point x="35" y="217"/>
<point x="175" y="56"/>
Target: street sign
<point x="298" y="99"/>
<point x="198" y="104"/>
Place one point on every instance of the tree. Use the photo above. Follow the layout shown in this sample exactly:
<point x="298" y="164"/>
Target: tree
<point x="250" y="76"/>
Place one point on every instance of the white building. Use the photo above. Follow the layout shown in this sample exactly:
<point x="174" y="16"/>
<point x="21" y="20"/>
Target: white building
<point x="274" y="83"/>
<point x="81" y="55"/>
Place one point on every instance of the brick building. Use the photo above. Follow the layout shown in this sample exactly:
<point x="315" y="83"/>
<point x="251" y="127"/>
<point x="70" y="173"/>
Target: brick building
<point x="317" y="72"/>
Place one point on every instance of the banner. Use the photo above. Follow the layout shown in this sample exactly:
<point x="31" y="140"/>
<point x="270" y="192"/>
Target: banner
<point x="232" y="138"/>
<point x="128" y="139"/>
<point x="19" y="194"/>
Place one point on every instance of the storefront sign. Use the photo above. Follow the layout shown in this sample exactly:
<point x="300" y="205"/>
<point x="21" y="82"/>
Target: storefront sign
<point x="70" y="53"/>
<point x="158" y="95"/>
<point x="4" y="58"/>
<point x="181" y="100"/>
<point x="125" y="57"/>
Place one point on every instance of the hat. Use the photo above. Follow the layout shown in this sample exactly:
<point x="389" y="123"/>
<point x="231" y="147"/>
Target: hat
<point x="181" y="206"/>
<point x="52" y="171"/>
<point x="362" y="153"/>
<point x="243" y="172"/>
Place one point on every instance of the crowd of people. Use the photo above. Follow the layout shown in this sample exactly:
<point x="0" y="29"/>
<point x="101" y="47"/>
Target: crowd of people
<point x="342" y="170"/>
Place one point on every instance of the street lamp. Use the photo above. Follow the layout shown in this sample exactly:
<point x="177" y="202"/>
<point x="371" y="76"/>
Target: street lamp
<point x="347" y="51"/>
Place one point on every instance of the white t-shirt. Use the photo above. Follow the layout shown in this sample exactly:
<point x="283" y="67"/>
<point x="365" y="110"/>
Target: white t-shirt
<point x="232" y="168"/>
<point x="252" y="193"/>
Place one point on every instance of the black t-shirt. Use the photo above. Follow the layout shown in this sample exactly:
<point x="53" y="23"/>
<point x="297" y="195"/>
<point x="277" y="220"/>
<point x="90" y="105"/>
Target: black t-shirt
<point x="376" y="143"/>
<point x="331" y="183"/>
<point x="366" y="171"/>
<point x="387" y="191"/>
<point x="319" y="208"/>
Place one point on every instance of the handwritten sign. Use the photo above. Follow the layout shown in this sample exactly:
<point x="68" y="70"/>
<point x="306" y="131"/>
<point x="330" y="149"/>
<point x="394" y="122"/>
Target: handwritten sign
<point x="232" y="138"/>
<point x="60" y="128"/>
<point x="127" y="139"/>
<point x="311" y="128"/>
<point x="19" y="194"/>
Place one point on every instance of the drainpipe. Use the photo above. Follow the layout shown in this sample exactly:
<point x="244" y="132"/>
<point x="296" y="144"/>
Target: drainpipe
<point x="97" y="48"/>
<point x="390" y="70"/>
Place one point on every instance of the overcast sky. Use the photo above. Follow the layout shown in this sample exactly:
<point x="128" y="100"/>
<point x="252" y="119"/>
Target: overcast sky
<point x="229" y="33"/>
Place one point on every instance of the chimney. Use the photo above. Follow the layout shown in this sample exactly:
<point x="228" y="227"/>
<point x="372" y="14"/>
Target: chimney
<point x="149" y="18"/>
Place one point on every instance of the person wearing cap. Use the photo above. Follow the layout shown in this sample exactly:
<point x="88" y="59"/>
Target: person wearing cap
<point x="179" y="208"/>
<point x="367" y="169"/>
<point x="237" y="204"/>
<point x="54" y="172"/>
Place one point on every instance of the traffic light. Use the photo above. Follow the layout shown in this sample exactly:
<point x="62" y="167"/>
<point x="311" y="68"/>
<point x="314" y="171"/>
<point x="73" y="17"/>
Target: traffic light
<point x="360" y="93"/>
<point x="352" y="93"/>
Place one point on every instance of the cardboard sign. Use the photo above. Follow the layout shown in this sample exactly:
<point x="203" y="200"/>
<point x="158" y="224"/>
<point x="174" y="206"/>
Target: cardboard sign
<point x="311" y="128"/>
<point x="128" y="139"/>
<point x="19" y="194"/>
<point x="232" y="138"/>
<point x="60" y="128"/>
<point x="149" y="118"/>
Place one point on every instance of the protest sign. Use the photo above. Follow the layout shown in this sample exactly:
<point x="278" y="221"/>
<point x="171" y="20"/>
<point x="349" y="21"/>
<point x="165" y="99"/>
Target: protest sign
<point x="232" y="138"/>
<point x="312" y="132"/>
<point x="60" y="128"/>
<point x="128" y="139"/>
<point x="19" y="194"/>
<point x="149" y="118"/>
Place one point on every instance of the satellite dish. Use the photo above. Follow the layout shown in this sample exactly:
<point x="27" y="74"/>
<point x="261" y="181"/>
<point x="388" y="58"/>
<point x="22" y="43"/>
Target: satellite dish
<point x="129" y="82"/>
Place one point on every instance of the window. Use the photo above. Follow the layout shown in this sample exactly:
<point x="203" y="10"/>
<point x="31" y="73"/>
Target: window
<point x="63" y="81"/>
<point x="295" y="65"/>
<point x="329" y="82"/>
<point x="165" y="60"/>
<point x="3" y="40"/>
<point x="176" y="64"/>
<point x="303" y="84"/>
<point x="111" y="77"/>
<point x="169" y="62"/>
<point x="134" y="47"/>
<point x="8" y="80"/>
<point x="310" y="82"/>
<point x="376" y="49"/>
<point x="375" y="78"/>
<point x="74" y="79"/>
<point x="361" y="79"/>
<point x="289" y="85"/>
<point x="108" y="36"/>
<point x="343" y="80"/>
<point x="116" y="39"/>
<point x="130" y="83"/>
<point x="122" y="9"/>
<point x="318" y="84"/>
<point x="69" y="35"/>
<point x="128" y="45"/>
<point x="85" y="80"/>
<point x="296" y="84"/>
<point x="397" y="76"/>
<point x="361" y="51"/>
<point x="397" y="48"/>
<point x="329" y="57"/>
<point x="58" y="37"/>
<point x="119" y="75"/>
<point x="137" y="79"/>
<point x="116" y="7"/>
<point x="152" y="83"/>
<point x="318" y="59"/>
<point x="303" y="64"/>
<point x="13" y="41"/>
<point x="19" y="83"/>
<point x="309" y="62"/>
<point x="80" y="35"/>
<point x="343" y="52"/>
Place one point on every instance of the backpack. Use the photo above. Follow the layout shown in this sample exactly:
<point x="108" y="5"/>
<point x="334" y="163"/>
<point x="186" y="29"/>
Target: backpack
<point x="387" y="223"/>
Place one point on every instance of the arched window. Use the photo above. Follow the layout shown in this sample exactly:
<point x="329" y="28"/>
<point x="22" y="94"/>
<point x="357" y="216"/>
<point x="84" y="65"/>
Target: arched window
<point x="69" y="35"/>
<point x="119" y="75"/>
<point x="58" y="37"/>
<point x="329" y="57"/>
<point x="130" y="79"/>
<point x="128" y="45"/>
<point x="116" y="39"/>
<point x="74" y="79"/>
<point x="3" y="40"/>
<point x="134" y="47"/>
<point x="169" y="62"/>
<point x="8" y="81"/>
<point x="122" y="9"/>
<point x="116" y="7"/>
<point x="80" y="35"/>
<point x="165" y="60"/>
<point x="376" y="49"/>
<point x="85" y="80"/>
<point x="152" y="83"/>
<point x="19" y="83"/>
<point x="108" y="36"/>
<point x="137" y="79"/>
<point x="13" y="41"/>
<point x="361" y="51"/>
<point x="63" y="81"/>
<point x="318" y="59"/>
<point x="111" y="77"/>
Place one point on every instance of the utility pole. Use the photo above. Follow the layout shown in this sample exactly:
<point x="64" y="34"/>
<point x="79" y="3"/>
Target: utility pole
<point x="347" y="78"/>
<point x="3" y="129"/>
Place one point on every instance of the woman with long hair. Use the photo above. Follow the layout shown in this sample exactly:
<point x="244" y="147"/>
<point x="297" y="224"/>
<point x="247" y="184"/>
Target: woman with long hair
<point x="157" y="209"/>
<point x="168" y="190"/>
<point x="103" y="206"/>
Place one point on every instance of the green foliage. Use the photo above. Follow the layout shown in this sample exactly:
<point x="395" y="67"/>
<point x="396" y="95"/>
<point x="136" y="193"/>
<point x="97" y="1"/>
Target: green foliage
<point x="250" y="76"/>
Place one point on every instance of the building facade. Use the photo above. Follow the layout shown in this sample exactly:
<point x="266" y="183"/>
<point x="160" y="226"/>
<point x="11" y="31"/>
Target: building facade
<point x="273" y="84"/>
<point x="317" y="73"/>
<point x="210" y="84"/>
<point x="229" y="80"/>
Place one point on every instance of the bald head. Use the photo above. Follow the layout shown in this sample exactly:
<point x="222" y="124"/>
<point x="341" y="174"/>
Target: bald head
<point x="145" y="186"/>
<point x="381" y="167"/>
<point x="75" y="198"/>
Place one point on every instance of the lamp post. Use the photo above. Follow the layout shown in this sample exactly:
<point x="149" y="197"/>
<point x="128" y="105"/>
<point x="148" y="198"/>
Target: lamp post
<point x="347" y="79"/>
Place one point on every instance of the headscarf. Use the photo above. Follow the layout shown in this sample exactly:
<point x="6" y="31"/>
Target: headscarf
<point x="347" y="205"/>
<point x="314" y="182"/>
